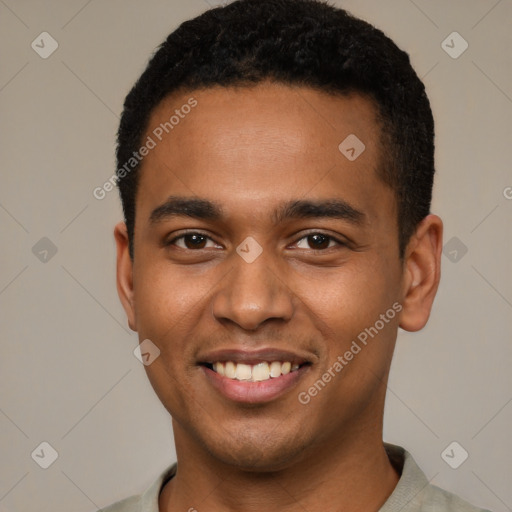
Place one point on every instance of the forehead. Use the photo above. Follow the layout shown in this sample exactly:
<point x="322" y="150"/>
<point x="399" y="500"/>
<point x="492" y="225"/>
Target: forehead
<point x="255" y="146"/>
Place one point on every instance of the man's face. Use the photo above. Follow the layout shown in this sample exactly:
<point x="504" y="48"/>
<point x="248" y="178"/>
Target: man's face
<point x="259" y="169"/>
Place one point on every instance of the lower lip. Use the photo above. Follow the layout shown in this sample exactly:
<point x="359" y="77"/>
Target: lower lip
<point x="254" y="392"/>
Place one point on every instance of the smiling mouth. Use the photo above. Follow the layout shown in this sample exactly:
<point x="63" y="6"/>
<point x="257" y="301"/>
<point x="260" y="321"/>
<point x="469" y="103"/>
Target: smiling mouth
<point x="262" y="371"/>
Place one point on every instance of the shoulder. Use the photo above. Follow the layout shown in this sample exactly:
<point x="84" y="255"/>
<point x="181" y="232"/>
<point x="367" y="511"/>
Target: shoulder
<point x="414" y="493"/>
<point x="148" y="500"/>
<point x="437" y="499"/>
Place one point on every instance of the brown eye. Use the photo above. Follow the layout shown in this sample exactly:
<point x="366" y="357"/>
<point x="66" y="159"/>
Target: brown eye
<point x="318" y="241"/>
<point x="194" y="241"/>
<point x="191" y="241"/>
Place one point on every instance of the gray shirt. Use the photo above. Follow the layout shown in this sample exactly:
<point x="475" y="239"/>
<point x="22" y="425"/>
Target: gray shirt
<point x="413" y="492"/>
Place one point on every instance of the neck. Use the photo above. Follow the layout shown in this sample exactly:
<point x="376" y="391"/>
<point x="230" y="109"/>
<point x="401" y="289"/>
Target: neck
<point x="355" y="475"/>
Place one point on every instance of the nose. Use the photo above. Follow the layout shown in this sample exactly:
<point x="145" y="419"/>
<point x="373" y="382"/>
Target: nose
<point x="252" y="294"/>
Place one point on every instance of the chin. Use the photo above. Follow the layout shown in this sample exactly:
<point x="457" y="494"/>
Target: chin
<point x="257" y="450"/>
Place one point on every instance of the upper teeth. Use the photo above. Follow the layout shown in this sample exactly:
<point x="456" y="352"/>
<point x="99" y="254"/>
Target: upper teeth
<point x="256" y="372"/>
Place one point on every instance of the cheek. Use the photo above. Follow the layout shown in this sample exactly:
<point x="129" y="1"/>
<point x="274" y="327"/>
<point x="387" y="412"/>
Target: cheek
<point x="346" y="306"/>
<point x="166" y="299"/>
<point x="353" y="295"/>
<point x="168" y="309"/>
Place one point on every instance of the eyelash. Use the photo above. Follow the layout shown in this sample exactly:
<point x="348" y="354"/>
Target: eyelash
<point x="331" y="238"/>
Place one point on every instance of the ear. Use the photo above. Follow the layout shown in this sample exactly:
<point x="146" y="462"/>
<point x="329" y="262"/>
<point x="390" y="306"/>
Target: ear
<point x="125" y="273"/>
<point x="422" y="271"/>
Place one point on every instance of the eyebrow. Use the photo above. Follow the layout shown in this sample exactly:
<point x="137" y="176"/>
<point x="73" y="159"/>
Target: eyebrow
<point x="204" y="209"/>
<point x="311" y="209"/>
<point x="185" y="207"/>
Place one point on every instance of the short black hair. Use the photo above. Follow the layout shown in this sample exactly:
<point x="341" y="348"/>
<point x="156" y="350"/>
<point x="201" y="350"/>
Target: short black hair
<point x="300" y="43"/>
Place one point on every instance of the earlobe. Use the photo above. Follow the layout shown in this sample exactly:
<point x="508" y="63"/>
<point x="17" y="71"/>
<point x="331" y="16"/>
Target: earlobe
<point x="422" y="272"/>
<point x="125" y="273"/>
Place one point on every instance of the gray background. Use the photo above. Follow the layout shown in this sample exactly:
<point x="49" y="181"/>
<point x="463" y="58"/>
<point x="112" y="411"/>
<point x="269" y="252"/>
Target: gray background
<point x="67" y="372"/>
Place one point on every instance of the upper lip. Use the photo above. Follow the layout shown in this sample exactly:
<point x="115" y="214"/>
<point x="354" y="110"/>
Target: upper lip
<point x="254" y="356"/>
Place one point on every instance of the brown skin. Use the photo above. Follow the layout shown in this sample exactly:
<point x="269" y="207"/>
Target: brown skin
<point x="250" y="150"/>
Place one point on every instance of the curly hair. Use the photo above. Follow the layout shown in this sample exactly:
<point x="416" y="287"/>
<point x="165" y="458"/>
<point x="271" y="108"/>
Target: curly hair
<point x="301" y="43"/>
